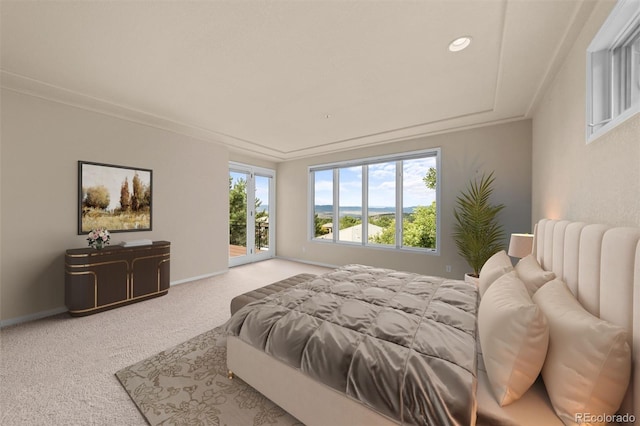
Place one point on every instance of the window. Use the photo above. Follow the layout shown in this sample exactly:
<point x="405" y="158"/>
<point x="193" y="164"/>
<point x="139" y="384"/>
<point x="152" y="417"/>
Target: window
<point x="613" y="70"/>
<point x="385" y="202"/>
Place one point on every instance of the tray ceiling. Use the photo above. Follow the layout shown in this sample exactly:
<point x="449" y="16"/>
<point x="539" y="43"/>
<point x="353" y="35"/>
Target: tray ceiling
<point x="290" y="79"/>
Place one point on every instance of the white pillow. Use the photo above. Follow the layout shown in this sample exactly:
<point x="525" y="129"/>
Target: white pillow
<point x="532" y="275"/>
<point x="588" y="364"/>
<point x="495" y="267"/>
<point x="513" y="335"/>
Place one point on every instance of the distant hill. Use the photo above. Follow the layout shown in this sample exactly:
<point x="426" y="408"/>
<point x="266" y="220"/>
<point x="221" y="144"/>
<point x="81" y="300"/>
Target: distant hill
<point x="356" y="211"/>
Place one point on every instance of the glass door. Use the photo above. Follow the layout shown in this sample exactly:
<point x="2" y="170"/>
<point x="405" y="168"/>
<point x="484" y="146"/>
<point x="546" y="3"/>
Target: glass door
<point x="238" y="213"/>
<point x="251" y="214"/>
<point x="262" y="227"/>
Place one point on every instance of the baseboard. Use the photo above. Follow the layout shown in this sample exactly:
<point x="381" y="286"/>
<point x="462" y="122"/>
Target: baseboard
<point x="308" y="262"/>
<point x="60" y="310"/>
<point x="199" y="277"/>
<point x="32" y="317"/>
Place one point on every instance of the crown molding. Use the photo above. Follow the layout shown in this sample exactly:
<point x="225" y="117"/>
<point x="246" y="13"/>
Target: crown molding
<point x="36" y="88"/>
<point x="39" y="89"/>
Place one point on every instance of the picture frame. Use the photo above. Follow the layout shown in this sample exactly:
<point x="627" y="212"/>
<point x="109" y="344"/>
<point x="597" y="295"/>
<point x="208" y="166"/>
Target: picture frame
<point x="118" y="198"/>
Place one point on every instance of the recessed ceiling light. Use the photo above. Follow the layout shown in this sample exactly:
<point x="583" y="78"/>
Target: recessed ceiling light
<point x="460" y="43"/>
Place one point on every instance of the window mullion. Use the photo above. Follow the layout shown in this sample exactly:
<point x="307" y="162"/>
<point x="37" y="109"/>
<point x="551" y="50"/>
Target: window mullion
<point x="619" y="79"/>
<point x="312" y="205"/>
<point x="614" y="87"/>
<point x="336" y="204"/>
<point x="399" y="212"/>
<point x="364" y="211"/>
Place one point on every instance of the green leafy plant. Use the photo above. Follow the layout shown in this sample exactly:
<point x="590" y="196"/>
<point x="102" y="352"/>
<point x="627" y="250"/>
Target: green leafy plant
<point x="477" y="232"/>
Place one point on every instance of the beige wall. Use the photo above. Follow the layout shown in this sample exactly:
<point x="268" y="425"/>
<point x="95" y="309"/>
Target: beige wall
<point x="598" y="182"/>
<point x="504" y="148"/>
<point x="42" y="142"/>
<point x="252" y="161"/>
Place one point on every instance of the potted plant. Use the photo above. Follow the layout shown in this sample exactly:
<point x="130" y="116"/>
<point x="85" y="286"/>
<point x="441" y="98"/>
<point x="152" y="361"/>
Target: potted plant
<point x="477" y="232"/>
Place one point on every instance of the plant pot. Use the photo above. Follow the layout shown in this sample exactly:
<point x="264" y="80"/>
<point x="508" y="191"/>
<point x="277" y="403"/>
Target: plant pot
<point x="468" y="278"/>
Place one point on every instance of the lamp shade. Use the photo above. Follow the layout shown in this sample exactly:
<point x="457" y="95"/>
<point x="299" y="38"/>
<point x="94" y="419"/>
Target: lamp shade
<point x="521" y="245"/>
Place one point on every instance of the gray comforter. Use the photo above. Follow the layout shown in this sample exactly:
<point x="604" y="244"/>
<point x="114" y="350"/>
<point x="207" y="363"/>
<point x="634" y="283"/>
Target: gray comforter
<point x="401" y="343"/>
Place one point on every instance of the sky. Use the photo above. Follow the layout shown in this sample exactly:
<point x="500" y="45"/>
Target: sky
<point x="381" y="184"/>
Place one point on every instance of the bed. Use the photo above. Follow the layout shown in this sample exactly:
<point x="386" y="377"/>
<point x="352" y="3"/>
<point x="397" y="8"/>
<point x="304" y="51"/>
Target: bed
<point x="600" y="268"/>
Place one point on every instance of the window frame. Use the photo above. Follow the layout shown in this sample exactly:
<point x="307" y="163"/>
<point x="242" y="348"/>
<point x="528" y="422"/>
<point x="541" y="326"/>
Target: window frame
<point x="398" y="158"/>
<point x="610" y="72"/>
<point x="254" y="171"/>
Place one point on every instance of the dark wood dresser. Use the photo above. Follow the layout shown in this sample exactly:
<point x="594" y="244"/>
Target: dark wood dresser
<point x="97" y="280"/>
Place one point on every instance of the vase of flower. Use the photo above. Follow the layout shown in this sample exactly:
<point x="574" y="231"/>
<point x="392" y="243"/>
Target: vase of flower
<point x="98" y="238"/>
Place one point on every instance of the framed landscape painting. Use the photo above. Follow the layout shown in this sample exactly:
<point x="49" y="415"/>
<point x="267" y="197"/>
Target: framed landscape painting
<point x="117" y="198"/>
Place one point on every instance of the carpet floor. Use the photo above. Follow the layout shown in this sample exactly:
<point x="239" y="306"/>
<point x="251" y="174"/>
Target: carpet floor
<point x="188" y="385"/>
<point x="60" y="370"/>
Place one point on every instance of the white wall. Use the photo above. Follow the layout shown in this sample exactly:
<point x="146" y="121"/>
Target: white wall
<point x="505" y="149"/>
<point x="42" y="142"/>
<point x="598" y="182"/>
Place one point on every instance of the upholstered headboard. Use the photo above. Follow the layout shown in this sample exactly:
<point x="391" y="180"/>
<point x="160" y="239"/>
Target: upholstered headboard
<point x="601" y="266"/>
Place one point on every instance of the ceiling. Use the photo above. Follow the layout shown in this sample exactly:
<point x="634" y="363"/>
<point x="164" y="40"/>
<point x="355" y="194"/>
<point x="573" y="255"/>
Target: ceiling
<point x="289" y="79"/>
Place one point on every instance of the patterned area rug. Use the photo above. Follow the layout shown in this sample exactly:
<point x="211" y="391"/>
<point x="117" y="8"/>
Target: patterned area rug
<point x="188" y="385"/>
